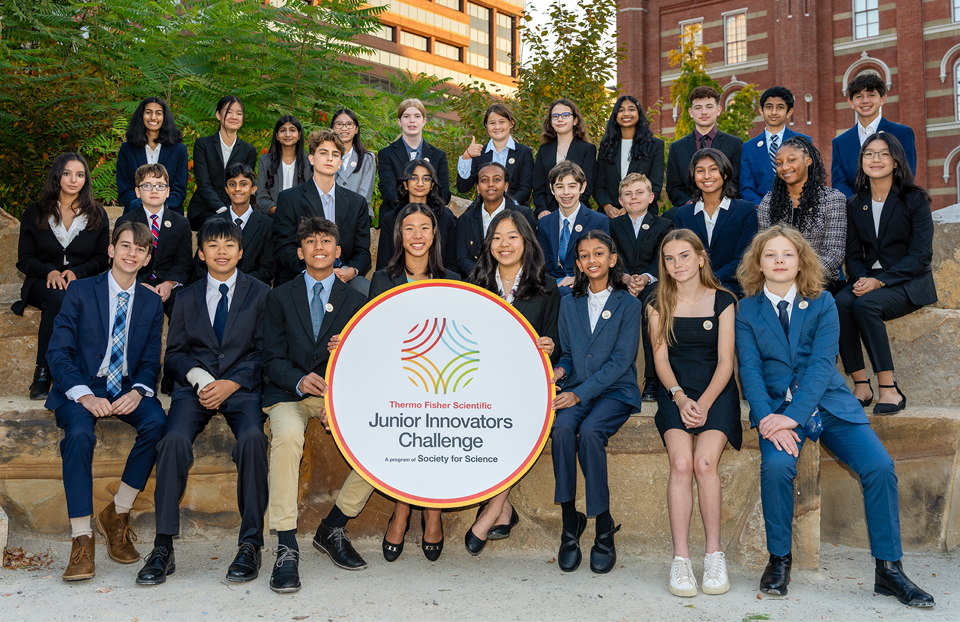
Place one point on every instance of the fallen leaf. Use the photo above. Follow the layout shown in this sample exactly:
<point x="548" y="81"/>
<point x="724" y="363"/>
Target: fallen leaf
<point x="212" y="558"/>
<point x="690" y="606"/>
<point x="300" y="617"/>
<point x="103" y="590"/>
<point x="759" y="596"/>
<point x="852" y="578"/>
<point x="599" y="595"/>
<point x="552" y="560"/>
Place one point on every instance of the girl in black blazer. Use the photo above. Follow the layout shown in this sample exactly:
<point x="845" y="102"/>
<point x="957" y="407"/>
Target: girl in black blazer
<point x="889" y="249"/>
<point x="286" y="164"/>
<point x="511" y="265"/>
<point x="418" y="184"/>
<point x="152" y="128"/>
<point x="63" y="237"/>
<point x="564" y="137"/>
<point x="211" y="157"/>
<point x="628" y="146"/>
<point x="516" y="157"/>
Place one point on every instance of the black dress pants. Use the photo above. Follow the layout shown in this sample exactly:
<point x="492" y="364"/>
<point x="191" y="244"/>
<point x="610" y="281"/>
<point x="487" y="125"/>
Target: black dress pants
<point x="48" y="300"/>
<point x="862" y="319"/>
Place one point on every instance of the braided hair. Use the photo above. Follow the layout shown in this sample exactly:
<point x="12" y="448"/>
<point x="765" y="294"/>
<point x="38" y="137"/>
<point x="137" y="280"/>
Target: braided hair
<point x="808" y="215"/>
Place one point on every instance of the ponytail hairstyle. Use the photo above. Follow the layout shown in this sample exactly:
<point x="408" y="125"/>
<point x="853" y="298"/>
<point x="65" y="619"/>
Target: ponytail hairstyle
<point x="581" y="282"/>
<point x="533" y="283"/>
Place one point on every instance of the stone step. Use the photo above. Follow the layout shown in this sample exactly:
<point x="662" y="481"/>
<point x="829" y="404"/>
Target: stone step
<point x="923" y="441"/>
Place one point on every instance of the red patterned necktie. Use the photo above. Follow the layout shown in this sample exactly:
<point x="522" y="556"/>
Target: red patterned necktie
<point x="155" y="230"/>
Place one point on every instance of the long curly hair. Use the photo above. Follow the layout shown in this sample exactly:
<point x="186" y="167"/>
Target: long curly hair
<point x="609" y="149"/>
<point x="809" y="214"/>
<point x="534" y="281"/>
<point x="276" y="153"/>
<point x="810" y="279"/>
<point x="548" y="134"/>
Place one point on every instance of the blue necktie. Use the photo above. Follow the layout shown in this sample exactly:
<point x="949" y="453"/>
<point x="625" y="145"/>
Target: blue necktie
<point x="316" y="310"/>
<point x="220" y="317"/>
<point x="774" y="142"/>
<point x="564" y="240"/>
<point x="118" y="338"/>
<point x="784" y="318"/>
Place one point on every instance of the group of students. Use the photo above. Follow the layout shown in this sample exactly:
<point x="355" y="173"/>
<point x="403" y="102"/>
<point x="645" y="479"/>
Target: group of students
<point x="593" y="284"/>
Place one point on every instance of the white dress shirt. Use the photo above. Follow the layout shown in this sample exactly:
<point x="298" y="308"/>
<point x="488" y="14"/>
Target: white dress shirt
<point x="508" y="296"/>
<point x="572" y="218"/>
<point x="595" y="304"/>
<point x="870" y="130"/>
<point x="330" y="203"/>
<point x="198" y="377"/>
<point x="637" y="225"/>
<point x="500" y="157"/>
<point x="150" y="218"/>
<point x="287" y="171"/>
<point x="486" y="219"/>
<point x="66" y="236"/>
<point x="153" y="155"/>
<point x="774" y="299"/>
<point x="625" y="147"/>
<point x="708" y="221"/>
<point x="244" y="217"/>
<point x="226" y="150"/>
<point x="877" y="213"/>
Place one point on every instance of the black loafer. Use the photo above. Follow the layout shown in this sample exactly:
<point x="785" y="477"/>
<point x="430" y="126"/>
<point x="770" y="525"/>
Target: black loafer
<point x="890" y="581"/>
<point x="502" y="532"/>
<point x="40" y="387"/>
<point x="776" y="576"/>
<point x="160" y="563"/>
<point x="603" y="555"/>
<point x="246" y="565"/>
<point x="334" y="542"/>
<point x="392" y="551"/>
<point x="650" y="388"/>
<point x="569" y="555"/>
<point x="285" y="577"/>
<point x="473" y="543"/>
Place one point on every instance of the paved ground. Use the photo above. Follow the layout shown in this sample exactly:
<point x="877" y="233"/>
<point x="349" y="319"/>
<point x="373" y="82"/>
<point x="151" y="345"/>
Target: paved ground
<point x="501" y="584"/>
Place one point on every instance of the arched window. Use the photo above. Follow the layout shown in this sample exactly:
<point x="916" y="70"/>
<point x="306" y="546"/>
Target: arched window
<point x="956" y="88"/>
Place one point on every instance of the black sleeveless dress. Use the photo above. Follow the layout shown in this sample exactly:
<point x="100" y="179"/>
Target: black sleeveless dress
<point x="693" y="358"/>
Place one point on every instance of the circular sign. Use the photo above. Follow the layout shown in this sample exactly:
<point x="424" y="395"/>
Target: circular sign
<point x="438" y="394"/>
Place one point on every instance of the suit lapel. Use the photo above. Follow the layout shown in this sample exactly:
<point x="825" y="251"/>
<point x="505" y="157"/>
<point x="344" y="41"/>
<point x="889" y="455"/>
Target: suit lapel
<point x="613" y="301"/>
<point x="864" y="213"/>
<point x="312" y="195"/>
<point x="475" y="222"/>
<point x="549" y="154"/>
<point x="215" y="142"/>
<point x="337" y="294"/>
<point x="102" y="288"/>
<point x="768" y="313"/>
<point x="203" y="314"/>
<point x="699" y="221"/>
<point x="583" y="310"/>
<point x="299" y="293"/>
<point x="722" y="218"/>
<point x="239" y="295"/>
<point x="796" y="323"/>
<point x="579" y="227"/>
<point x="511" y="163"/>
<point x="340" y="201"/>
<point x="886" y="213"/>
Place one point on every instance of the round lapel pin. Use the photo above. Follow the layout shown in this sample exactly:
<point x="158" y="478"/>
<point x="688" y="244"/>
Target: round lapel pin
<point x="328" y="307"/>
<point x="605" y="315"/>
<point x="759" y="143"/>
<point x="865" y="208"/>
<point x="578" y="228"/>
<point x="644" y="226"/>
<point x="803" y="304"/>
<point x="166" y="224"/>
<point x="426" y="159"/>
<point x="707" y="325"/>
<point x="353" y="164"/>
<point x="511" y="161"/>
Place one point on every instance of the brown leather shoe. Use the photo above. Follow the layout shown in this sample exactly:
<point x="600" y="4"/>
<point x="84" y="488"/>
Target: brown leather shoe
<point x="118" y="534"/>
<point x="81" y="561"/>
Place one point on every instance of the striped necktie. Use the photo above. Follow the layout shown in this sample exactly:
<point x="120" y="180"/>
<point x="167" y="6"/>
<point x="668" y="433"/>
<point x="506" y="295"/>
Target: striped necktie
<point x="118" y="339"/>
<point x="774" y="145"/>
<point x="155" y="230"/>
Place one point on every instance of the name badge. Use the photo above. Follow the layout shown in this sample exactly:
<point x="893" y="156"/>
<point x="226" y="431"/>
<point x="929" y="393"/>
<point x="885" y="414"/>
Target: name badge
<point x="578" y="228"/>
<point x="708" y="325"/>
<point x="803" y="304"/>
<point x="328" y="307"/>
<point x="605" y="315"/>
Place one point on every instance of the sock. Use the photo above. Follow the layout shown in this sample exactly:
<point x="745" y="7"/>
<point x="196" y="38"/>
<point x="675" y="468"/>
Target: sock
<point x="124" y="498"/>
<point x="81" y="526"/>
<point x="336" y="518"/>
<point x="604" y="523"/>
<point x="163" y="540"/>
<point x="288" y="539"/>
<point x="568" y="510"/>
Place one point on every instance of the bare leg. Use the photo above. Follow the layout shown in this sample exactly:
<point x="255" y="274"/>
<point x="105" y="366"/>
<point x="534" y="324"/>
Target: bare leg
<point x="433" y="531"/>
<point x="710" y="445"/>
<point x="863" y="391"/>
<point x="679" y="491"/>
<point x="492" y="515"/>
<point x="398" y="525"/>
<point x="887" y="396"/>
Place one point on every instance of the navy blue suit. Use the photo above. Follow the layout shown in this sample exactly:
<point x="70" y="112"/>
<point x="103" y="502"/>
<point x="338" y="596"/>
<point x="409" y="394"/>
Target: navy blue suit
<point x="173" y="157"/>
<point x="846" y="154"/>
<point x="77" y="348"/>
<point x="770" y="363"/>
<point x="756" y="169"/>
<point x="734" y="229"/>
<point x="548" y="234"/>
<point x="599" y="369"/>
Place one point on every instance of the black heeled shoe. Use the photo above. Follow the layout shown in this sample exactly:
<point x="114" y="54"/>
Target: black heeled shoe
<point x="392" y="551"/>
<point x="502" y="532"/>
<point x="431" y="550"/>
<point x="867" y="401"/>
<point x="473" y="543"/>
<point x="884" y="408"/>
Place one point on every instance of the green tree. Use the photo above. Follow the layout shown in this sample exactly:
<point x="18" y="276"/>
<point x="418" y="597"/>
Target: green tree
<point x="739" y="113"/>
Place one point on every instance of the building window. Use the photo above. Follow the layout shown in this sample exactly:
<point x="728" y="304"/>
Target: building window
<point x="735" y="38"/>
<point x="504" y="43"/>
<point x="956" y="10"/>
<point x="383" y="32"/>
<point x="956" y="88"/>
<point x="414" y="41"/>
<point x="450" y="4"/>
<point x="479" y="52"/>
<point x="692" y="30"/>
<point x="446" y="50"/>
<point x="866" y="19"/>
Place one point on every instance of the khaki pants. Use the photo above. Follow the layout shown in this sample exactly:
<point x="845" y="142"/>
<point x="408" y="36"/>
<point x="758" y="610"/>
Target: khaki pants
<point x="354" y="494"/>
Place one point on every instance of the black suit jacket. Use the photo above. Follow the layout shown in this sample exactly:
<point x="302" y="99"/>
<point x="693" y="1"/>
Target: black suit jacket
<point x="352" y="220"/>
<point x="390" y="162"/>
<point x="191" y="341"/>
<point x="173" y="259"/>
<point x="904" y="246"/>
<point x="381" y="281"/>
<point x="208" y="170"/>
<point x="581" y="153"/>
<point x="39" y="252"/>
<point x="519" y="167"/>
<point x="289" y="351"/>
<point x="678" y="164"/>
<point x="446" y="237"/>
<point x="258" y="259"/>
<point x="543" y="313"/>
<point x="640" y="253"/>
<point x="470" y="234"/>
<point x="650" y="163"/>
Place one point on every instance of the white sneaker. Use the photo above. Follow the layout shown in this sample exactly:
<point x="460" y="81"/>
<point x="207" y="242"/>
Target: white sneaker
<point x="682" y="581"/>
<point x="715" y="580"/>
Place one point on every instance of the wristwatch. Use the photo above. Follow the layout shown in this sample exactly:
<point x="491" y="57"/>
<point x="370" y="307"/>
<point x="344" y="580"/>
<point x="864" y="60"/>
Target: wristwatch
<point x="673" y="392"/>
<point x="140" y="390"/>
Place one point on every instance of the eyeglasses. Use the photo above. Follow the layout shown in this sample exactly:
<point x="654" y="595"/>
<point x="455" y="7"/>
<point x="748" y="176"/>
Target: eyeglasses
<point x="149" y="187"/>
<point x="876" y="155"/>
<point x="561" y="115"/>
<point x="344" y="126"/>
<point x="426" y="179"/>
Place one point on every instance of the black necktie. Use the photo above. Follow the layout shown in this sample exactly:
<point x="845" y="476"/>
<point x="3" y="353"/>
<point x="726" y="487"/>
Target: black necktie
<point x="784" y="318"/>
<point x="220" y="316"/>
<point x="239" y="222"/>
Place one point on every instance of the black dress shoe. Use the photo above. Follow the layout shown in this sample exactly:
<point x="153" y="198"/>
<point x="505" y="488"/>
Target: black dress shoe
<point x="40" y="387"/>
<point x="160" y="563"/>
<point x="334" y="542"/>
<point x="392" y="551"/>
<point x="569" y="555"/>
<point x="776" y="576"/>
<point x="884" y="408"/>
<point x="473" y="543"/>
<point x="246" y="565"/>
<point x="890" y="581"/>
<point x="285" y="577"/>
<point x="603" y="554"/>
<point x="650" y="388"/>
<point x="502" y="532"/>
<point x="431" y="550"/>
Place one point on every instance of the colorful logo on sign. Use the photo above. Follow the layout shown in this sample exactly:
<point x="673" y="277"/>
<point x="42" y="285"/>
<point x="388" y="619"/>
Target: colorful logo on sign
<point x="440" y="356"/>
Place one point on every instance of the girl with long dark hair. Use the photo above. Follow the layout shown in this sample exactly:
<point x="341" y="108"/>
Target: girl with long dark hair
<point x="359" y="169"/>
<point x="152" y="137"/>
<point x="565" y="137"/>
<point x="284" y="166"/>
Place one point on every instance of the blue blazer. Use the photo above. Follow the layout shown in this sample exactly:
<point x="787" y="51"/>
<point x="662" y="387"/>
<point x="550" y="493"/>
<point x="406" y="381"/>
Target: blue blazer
<point x="770" y="363"/>
<point x="548" y="234"/>
<point x="756" y="171"/>
<point x="601" y="363"/>
<point x="734" y="229"/>
<point x="846" y="154"/>
<point x="173" y="157"/>
<point x="79" y="340"/>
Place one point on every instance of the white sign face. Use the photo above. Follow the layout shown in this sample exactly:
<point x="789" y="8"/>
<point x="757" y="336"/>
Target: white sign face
<point x="438" y="394"/>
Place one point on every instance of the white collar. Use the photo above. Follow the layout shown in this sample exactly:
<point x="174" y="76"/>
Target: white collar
<point x="639" y="219"/>
<point x="790" y="297"/>
<point x="214" y="284"/>
<point x="244" y="216"/>
<point x="599" y="297"/>
<point x="114" y="287"/>
<point x="572" y="217"/>
<point x="511" y="144"/>
<point x="516" y="282"/>
<point x="724" y="204"/>
<point x="150" y="215"/>
<point x="157" y="150"/>
<point x="768" y="135"/>
<point x="872" y="128"/>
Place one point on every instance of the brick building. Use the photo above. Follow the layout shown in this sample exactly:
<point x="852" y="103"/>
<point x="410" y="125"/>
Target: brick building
<point x="814" y="47"/>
